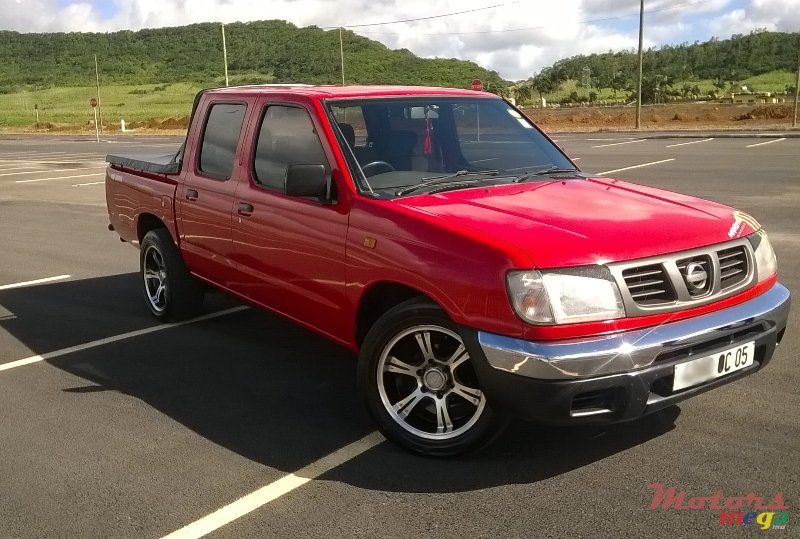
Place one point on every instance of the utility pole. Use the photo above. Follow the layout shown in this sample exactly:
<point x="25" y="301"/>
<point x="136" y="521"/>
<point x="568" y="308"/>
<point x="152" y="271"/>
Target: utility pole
<point x="97" y="79"/>
<point x="341" y="52"/>
<point x="796" y="86"/>
<point x="639" y="83"/>
<point x="225" y="54"/>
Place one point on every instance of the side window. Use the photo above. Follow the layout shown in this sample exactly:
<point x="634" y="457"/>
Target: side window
<point x="220" y="138"/>
<point x="286" y="137"/>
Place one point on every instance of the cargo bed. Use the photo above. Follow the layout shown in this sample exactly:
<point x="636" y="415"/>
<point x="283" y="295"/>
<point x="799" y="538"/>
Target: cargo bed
<point x="155" y="163"/>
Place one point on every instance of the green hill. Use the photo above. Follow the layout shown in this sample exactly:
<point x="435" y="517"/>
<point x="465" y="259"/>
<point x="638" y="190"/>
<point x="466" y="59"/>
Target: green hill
<point x="761" y="60"/>
<point x="738" y="58"/>
<point x="261" y="51"/>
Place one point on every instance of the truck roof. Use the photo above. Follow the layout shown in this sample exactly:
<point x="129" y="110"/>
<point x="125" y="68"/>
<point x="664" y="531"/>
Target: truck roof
<point x="338" y="91"/>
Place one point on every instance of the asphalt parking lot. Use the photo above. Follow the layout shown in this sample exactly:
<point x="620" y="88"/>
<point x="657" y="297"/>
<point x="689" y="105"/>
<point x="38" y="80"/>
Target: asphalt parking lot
<point x="114" y="426"/>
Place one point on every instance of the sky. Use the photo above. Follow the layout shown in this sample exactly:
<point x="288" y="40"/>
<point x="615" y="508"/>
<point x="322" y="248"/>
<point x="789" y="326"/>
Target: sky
<point x="517" y="38"/>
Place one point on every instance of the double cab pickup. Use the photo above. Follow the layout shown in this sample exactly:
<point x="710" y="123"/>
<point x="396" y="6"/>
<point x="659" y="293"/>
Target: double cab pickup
<point x="445" y="239"/>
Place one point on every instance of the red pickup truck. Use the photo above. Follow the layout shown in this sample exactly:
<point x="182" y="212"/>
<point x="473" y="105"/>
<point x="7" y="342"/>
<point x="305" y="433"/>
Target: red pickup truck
<point x="438" y="233"/>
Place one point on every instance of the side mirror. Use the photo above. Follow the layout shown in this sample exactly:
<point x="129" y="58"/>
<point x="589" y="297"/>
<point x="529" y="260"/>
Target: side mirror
<point x="307" y="181"/>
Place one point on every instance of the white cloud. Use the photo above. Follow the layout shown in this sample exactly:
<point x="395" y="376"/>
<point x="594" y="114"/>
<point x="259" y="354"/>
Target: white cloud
<point x="559" y="29"/>
<point x="775" y="15"/>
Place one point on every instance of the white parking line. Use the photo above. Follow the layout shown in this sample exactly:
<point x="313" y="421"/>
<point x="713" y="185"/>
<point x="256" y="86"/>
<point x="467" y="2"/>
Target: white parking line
<point x="115" y="338"/>
<point x="763" y="143"/>
<point x="35" y="281"/>
<point x="27" y="154"/>
<point x="24" y="169"/>
<point x="89" y="183"/>
<point x="49" y="156"/>
<point x="38" y="162"/>
<point x="256" y="499"/>
<point x="687" y="143"/>
<point x="60" y="178"/>
<point x="635" y="166"/>
<point x="5" y="167"/>
<point x="40" y="171"/>
<point x="619" y="143"/>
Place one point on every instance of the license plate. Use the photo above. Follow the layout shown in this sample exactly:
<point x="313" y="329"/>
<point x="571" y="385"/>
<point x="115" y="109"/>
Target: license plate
<point x="707" y="368"/>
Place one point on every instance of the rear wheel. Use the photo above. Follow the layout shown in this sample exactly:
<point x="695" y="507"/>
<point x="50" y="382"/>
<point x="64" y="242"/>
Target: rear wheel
<point x="169" y="289"/>
<point x="419" y="384"/>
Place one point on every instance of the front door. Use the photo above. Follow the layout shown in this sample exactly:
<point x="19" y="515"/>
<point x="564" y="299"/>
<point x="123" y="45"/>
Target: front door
<point x="291" y="250"/>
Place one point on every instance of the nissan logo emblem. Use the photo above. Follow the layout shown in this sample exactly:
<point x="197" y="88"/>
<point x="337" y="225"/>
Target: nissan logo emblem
<point x="696" y="276"/>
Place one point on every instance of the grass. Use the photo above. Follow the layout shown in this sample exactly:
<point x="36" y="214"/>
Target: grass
<point x="141" y="103"/>
<point x="133" y="103"/>
<point x="774" y="81"/>
<point x="70" y="106"/>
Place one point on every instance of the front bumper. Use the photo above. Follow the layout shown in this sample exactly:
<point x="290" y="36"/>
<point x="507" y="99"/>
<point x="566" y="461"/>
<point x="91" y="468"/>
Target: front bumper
<point x="625" y="375"/>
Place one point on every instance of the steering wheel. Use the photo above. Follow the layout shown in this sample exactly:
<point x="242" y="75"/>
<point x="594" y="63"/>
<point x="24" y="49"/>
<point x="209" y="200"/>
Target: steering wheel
<point x="376" y="167"/>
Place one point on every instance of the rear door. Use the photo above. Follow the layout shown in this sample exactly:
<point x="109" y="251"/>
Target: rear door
<point x="291" y="250"/>
<point x="205" y="198"/>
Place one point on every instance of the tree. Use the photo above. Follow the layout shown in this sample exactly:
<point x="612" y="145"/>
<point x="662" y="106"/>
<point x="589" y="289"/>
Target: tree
<point x="523" y="92"/>
<point x="618" y="82"/>
<point x="746" y="55"/>
<point x="263" y="51"/>
<point x="544" y="82"/>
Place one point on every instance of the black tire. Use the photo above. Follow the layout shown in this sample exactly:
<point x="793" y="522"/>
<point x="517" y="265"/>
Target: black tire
<point x="446" y="414"/>
<point x="170" y="291"/>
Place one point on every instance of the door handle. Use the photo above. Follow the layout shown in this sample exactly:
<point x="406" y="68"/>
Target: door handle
<point x="245" y="208"/>
<point x="191" y="194"/>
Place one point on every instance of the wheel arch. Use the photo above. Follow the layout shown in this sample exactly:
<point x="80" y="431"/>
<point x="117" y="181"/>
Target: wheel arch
<point x="147" y="222"/>
<point x="378" y="298"/>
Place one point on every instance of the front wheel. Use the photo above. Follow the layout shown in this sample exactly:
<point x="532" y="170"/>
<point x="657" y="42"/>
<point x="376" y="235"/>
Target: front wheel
<point x="420" y="386"/>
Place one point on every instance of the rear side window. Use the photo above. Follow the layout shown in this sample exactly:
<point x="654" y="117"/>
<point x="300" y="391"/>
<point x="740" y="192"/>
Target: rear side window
<point x="286" y="137"/>
<point x="220" y="138"/>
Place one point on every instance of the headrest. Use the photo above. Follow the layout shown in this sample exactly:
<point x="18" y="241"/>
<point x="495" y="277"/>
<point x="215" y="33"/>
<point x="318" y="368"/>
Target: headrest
<point x="349" y="134"/>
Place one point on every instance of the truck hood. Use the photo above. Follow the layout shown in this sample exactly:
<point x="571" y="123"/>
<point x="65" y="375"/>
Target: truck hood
<point x="586" y="221"/>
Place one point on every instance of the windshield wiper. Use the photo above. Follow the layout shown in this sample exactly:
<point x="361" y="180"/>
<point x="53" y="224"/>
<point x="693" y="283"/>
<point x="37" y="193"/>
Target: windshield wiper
<point x="441" y="179"/>
<point x="555" y="169"/>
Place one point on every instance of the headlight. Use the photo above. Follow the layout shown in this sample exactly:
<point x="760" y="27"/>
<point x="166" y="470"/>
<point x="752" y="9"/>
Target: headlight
<point x="766" y="264"/>
<point x="565" y="296"/>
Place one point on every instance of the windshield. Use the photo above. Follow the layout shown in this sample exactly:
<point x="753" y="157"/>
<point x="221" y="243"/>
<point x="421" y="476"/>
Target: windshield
<point x="400" y="146"/>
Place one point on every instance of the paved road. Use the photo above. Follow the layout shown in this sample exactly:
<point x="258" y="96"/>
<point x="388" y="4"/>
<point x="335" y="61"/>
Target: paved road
<point x="150" y="432"/>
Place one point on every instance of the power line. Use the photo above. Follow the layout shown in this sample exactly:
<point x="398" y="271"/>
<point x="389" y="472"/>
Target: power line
<point x="422" y="18"/>
<point x="530" y="28"/>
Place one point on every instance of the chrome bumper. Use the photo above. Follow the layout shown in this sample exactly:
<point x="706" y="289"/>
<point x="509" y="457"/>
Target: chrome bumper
<point x="632" y="350"/>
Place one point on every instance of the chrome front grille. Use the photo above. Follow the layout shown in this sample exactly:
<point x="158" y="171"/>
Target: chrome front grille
<point x="648" y="285"/>
<point x="697" y="273"/>
<point x="733" y="266"/>
<point x="685" y="279"/>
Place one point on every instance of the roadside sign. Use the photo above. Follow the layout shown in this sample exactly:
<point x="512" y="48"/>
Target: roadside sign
<point x="477" y="85"/>
<point x="93" y="103"/>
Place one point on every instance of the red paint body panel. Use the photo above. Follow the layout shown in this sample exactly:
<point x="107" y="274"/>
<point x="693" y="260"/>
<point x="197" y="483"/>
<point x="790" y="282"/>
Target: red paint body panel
<point x="291" y="251"/>
<point x="131" y="195"/>
<point x="462" y="270"/>
<point x="580" y="222"/>
<point x="308" y="260"/>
